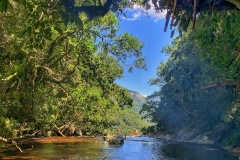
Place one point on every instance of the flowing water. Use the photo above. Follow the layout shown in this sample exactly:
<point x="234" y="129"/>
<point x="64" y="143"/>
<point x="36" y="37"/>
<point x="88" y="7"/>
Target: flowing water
<point x="138" y="148"/>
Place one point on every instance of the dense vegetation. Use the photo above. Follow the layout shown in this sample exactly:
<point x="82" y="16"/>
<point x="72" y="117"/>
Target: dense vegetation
<point x="128" y="120"/>
<point x="57" y="70"/>
<point x="199" y="84"/>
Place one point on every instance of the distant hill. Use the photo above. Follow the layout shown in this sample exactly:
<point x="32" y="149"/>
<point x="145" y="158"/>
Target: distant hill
<point x="138" y="100"/>
<point x="129" y="120"/>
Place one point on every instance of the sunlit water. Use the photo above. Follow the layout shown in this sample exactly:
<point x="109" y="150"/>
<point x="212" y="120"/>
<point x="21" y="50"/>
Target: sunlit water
<point x="139" y="148"/>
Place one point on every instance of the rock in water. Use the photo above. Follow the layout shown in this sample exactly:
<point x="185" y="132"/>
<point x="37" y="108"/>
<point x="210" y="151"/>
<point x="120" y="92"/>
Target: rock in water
<point x="118" y="140"/>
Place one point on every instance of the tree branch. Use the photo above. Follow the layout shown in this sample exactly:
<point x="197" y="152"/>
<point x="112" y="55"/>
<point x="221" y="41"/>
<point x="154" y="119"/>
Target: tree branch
<point x="174" y="9"/>
<point x="194" y="13"/>
<point x="56" y="41"/>
<point x="15" y="143"/>
<point x="168" y="15"/>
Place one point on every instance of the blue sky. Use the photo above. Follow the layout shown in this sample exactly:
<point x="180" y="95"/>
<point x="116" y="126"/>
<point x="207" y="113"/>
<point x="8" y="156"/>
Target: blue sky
<point x="149" y="29"/>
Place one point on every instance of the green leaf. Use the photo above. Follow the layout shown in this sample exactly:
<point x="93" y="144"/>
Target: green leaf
<point x="3" y="5"/>
<point x="48" y="33"/>
<point x="24" y="32"/>
<point x="29" y="30"/>
<point x="59" y="30"/>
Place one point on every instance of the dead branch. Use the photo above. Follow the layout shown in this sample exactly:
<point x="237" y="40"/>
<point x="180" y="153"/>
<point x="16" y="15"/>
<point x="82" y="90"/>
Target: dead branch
<point x="59" y="128"/>
<point x="58" y="40"/>
<point x="30" y="148"/>
<point x="34" y="133"/>
<point x="15" y="143"/>
<point x="46" y="68"/>
<point x="238" y="57"/>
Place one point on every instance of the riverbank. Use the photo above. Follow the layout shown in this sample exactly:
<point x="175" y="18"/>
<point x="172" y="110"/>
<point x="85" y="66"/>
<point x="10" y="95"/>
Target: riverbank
<point x="59" y="139"/>
<point x="31" y="141"/>
<point x="27" y="143"/>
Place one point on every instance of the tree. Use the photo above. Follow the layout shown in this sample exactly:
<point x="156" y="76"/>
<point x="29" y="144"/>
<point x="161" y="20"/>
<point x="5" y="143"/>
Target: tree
<point x="198" y="60"/>
<point x="60" y="76"/>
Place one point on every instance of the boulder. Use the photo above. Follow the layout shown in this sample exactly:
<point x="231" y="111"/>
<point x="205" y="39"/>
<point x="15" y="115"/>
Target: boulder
<point x="118" y="140"/>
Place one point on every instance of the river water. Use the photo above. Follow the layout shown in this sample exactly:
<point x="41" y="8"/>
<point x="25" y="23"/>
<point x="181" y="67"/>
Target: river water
<point x="138" y="148"/>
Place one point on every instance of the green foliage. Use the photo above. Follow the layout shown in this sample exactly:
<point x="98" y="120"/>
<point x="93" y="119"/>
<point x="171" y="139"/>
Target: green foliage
<point x="57" y="74"/>
<point x="3" y="5"/>
<point x="127" y="121"/>
<point x="200" y="81"/>
<point x="180" y="14"/>
<point x="7" y="127"/>
<point x="149" y="130"/>
<point x="232" y="140"/>
<point x="220" y="40"/>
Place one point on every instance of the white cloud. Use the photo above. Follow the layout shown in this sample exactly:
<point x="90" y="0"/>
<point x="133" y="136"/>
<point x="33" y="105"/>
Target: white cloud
<point x="137" y="12"/>
<point x="135" y="16"/>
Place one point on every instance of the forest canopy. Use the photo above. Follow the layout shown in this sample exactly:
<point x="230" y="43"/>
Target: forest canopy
<point x="179" y="13"/>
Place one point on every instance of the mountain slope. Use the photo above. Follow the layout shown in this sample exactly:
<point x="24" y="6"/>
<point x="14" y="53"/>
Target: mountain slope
<point x="138" y="100"/>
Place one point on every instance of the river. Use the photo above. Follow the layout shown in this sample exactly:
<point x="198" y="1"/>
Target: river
<point x="138" y="148"/>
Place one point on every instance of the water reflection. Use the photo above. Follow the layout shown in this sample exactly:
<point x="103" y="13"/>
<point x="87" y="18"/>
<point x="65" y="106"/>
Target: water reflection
<point x="139" y="148"/>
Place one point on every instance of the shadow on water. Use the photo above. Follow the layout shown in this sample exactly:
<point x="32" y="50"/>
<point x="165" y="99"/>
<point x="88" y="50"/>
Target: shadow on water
<point x="138" y="148"/>
<point x="191" y="151"/>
